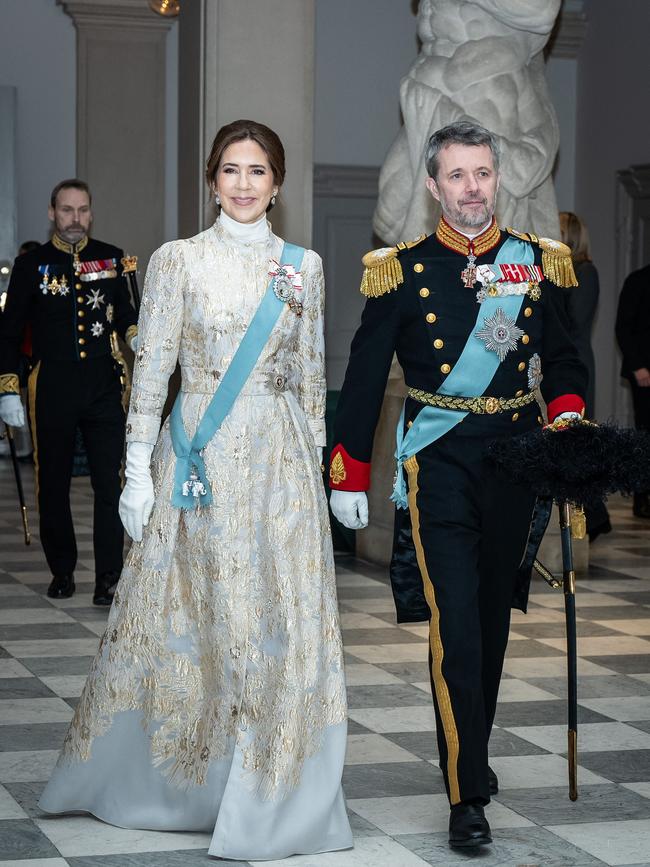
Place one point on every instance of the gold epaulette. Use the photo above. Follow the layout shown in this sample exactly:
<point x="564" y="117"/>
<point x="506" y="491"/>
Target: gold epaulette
<point x="557" y="263"/>
<point x="383" y="271"/>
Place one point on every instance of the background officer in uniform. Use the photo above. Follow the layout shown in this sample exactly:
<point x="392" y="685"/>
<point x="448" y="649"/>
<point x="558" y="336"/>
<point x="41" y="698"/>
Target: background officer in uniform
<point x="633" y="336"/>
<point x="426" y="301"/>
<point x="72" y="293"/>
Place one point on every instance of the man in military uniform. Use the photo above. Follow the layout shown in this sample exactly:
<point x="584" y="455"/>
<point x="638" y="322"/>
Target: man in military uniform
<point x="475" y="314"/>
<point x="72" y="293"/>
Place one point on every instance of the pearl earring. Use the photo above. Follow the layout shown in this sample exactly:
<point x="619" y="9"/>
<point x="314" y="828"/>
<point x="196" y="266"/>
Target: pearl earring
<point x="217" y="200"/>
<point x="273" y="199"/>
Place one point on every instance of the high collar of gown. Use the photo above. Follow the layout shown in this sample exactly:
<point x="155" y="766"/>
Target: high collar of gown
<point x="243" y="234"/>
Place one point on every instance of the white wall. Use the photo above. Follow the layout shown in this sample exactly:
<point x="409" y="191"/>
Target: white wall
<point x="613" y="132"/>
<point x="562" y="77"/>
<point x="38" y="57"/>
<point x="363" y="48"/>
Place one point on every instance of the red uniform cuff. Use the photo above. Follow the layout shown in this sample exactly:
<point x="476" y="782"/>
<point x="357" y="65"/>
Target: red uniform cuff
<point x="565" y="403"/>
<point x="346" y="473"/>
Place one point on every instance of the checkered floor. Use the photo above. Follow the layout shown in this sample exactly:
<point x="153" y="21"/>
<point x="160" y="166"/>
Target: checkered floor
<point x="393" y="787"/>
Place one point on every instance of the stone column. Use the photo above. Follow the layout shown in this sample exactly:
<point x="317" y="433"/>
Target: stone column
<point x="247" y="60"/>
<point x="121" y="119"/>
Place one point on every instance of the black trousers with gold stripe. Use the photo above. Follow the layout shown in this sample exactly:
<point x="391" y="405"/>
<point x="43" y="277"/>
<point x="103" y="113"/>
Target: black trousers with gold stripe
<point x="64" y="396"/>
<point x="470" y="527"/>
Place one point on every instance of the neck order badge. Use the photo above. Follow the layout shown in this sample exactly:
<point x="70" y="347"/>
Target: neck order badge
<point x="191" y="486"/>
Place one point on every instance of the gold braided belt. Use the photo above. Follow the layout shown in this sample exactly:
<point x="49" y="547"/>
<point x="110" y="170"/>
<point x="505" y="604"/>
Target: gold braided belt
<point x="478" y="405"/>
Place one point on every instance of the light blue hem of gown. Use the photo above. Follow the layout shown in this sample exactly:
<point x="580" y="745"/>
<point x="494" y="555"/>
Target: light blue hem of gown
<point x="120" y="785"/>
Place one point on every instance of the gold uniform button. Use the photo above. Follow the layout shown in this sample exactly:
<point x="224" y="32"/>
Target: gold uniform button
<point x="431" y="317"/>
<point x="528" y="311"/>
<point x="77" y="285"/>
<point x="80" y="313"/>
<point x="82" y="354"/>
<point x="519" y="393"/>
<point x="521" y="366"/>
<point x="438" y="343"/>
<point x="515" y="416"/>
<point x="81" y="341"/>
<point x="525" y="339"/>
<point x="418" y="267"/>
<point x="81" y="327"/>
<point x="424" y="292"/>
<point x="80" y="299"/>
<point x="445" y="368"/>
<point x="540" y="420"/>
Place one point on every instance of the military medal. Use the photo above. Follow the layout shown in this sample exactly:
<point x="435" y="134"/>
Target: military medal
<point x="286" y="282"/>
<point x="97" y="329"/>
<point x="499" y="333"/>
<point x="468" y="275"/>
<point x="64" y="289"/>
<point x="95" y="299"/>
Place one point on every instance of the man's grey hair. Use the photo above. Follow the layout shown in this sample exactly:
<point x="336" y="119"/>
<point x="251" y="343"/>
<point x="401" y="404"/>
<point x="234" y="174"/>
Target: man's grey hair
<point x="463" y="132"/>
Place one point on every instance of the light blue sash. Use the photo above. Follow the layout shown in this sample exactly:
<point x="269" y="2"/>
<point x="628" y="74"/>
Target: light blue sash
<point x="191" y="486"/>
<point x="472" y="374"/>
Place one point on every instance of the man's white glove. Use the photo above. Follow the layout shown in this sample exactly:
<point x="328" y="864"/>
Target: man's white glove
<point x="350" y="508"/>
<point x="137" y="497"/>
<point x="568" y="415"/>
<point x="11" y="410"/>
<point x="133" y="343"/>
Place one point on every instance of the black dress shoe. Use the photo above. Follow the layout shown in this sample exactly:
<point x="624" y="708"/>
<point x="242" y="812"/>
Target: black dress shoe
<point x="600" y="529"/>
<point x="468" y="827"/>
<point x="493" y="782"/>
<point x="61" y="587"/>
<point x="105" y="588"/>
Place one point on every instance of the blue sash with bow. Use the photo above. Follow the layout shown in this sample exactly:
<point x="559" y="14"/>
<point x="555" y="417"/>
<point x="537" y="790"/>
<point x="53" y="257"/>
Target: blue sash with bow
<point x="191" y="486"/>
<point x="472" y="374"/>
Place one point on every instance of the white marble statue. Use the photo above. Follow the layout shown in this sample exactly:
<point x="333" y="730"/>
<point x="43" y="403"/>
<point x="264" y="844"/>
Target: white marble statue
<point x="480" y="60"/>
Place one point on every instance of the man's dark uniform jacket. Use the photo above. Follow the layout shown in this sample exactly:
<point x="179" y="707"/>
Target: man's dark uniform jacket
<point x="71" y="297"/>
<point x="470" y="527"/>
<point x="633" y="321"/>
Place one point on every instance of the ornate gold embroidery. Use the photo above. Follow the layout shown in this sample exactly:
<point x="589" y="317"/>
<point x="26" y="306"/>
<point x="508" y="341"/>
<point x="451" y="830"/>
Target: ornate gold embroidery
<point x="337" y="469"/>
<point x="9" y="383"/>
<point x="488" y="239"/>
<point x="62" y="245"/>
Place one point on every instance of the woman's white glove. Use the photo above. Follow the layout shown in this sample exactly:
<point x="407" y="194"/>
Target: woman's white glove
<point x="137" y="497"/>
<point x="11" y="410"/>
<point x="350" y="508"/>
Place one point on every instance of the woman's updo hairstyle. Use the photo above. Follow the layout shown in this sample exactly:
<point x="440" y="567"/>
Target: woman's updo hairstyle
<point x="240" y="130"/>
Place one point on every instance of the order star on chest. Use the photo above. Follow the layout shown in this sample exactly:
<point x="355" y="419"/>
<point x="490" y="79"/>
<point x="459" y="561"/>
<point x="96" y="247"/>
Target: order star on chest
<point x="499" y="333"/>
<point x="95" y="299"/>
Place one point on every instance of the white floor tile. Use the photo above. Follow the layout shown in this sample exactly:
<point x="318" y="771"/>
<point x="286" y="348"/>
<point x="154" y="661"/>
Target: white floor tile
<point x="549" y="666"/>
<point x="27" y="766"/>
<point x="512" y="689"/>
<point x="415" y="652"/>
<point x="592" y="737"/>
<point x="641" y="626"/>
<point x="536" y="615"/>
<point x="603" y="645"/>
<point x="20" y="616"/>
<point x="642" y="789"/>
<point x="589" y="599"/>
<point x="374" y="749"/>
<point x="367" y="852"/>
<point x="364" y="674"/>
<point x="10" y="809"/>
<point x="13" y="668"/>
<point x="22" y="711"/>
<point x="36" y="862"/>
<point x="66" y="685"/>
<point x="536" y="772"/>
<point x="75" y="836"/>
<point x="52" y="647"/>
<point x="626" y="709"/>
<point x="372" y="606"/>
<point x="396" y="719"/>
<point x="358" y="620"/>
<point x="614" y="843"/>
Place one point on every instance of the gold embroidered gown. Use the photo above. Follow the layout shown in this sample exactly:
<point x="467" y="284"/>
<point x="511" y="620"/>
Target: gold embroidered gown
<point x="216" y="701"/>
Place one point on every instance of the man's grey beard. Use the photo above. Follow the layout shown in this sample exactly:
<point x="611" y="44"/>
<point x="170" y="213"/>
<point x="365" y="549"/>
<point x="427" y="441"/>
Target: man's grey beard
<point x="468" y="220"/>
<point x="71" y="236"/>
